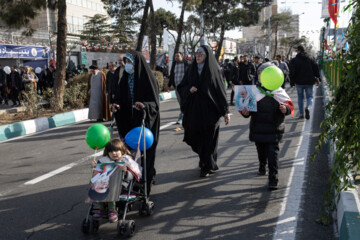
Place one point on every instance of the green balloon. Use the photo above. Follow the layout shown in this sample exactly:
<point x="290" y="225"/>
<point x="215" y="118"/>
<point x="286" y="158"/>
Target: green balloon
<point x="272" y="78"/>
<point x="97" y="136"/>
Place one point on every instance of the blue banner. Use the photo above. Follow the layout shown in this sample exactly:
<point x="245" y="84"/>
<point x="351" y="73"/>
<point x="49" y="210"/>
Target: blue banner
<point x="19" y="51"/>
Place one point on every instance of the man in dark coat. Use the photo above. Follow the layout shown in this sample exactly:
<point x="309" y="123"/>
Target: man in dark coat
<point x="138" y="92"/>
<point x="110" y="79"/>
<point x="246" y="72"/>
<point x="304" y="73"/>
<point x="203" y="102"/>
<point x="3" y="95"/>
<point x="234" y="78"/>
<point x="117" y="77"/>
<point x="178" y="70"/>
<point x="15" y="84"/>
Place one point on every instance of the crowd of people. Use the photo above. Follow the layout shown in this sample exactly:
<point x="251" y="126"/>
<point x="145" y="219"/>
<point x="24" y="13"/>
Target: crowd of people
<point x="23" y="79"/>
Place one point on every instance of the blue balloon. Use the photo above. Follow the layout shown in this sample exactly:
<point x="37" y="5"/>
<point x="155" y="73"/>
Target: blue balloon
<point x="132" y="138"/>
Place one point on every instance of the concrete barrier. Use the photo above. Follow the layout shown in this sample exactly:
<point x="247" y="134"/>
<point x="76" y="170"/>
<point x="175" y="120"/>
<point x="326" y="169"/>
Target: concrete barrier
<point x="40" y="124"/>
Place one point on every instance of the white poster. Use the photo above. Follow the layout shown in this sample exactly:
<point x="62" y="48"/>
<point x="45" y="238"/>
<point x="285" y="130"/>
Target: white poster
<point x="324" y="9"/>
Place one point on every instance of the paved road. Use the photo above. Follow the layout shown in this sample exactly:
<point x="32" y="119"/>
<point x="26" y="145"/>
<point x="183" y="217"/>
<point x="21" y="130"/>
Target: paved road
<point x="232" y="204"/>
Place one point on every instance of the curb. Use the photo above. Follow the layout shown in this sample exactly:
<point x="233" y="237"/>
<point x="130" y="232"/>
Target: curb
<point x="18" y="129"/>
<point x="348" y="206"/>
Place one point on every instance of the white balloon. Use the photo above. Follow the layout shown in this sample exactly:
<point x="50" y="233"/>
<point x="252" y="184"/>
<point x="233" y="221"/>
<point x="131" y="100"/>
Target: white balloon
<point x="7" y="70"/>
<point x="38" y="70"/>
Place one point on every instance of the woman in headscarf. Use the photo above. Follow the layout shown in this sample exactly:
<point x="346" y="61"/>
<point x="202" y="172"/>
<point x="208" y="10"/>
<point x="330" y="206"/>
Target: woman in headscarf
<point x="137" y="91"/>
<point x="203" y="102"/>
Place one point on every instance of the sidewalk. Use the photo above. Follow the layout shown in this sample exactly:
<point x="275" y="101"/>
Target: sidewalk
<point x="23" y="128"/>
<point x="348" y="207"/>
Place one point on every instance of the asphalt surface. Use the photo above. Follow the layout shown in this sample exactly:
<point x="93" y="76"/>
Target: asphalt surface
<point x="234" y="203"/>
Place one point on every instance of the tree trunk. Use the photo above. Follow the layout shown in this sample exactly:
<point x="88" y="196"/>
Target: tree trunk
<point x="180" y="29"/>
<point x="59" y="83"/>
<point x="222" y="35"/>
<point x="152" y="38"/>
<point x="143" y="26"/>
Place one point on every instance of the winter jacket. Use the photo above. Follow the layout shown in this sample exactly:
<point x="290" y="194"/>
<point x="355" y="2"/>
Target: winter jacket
<point x="267" y="124"/>
<point x="246" y="73"/>
<point x="303" y="70"/>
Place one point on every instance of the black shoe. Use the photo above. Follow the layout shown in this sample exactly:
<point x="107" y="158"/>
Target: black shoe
<point x="262" y="171"/>
<point x="273" y="184"/>
<point x="301" y="116"/>
<point x="6" y="102"/>
<point x="232" y="104"/>
<point x="204" y="173"/>
<point x="307" y="113"/>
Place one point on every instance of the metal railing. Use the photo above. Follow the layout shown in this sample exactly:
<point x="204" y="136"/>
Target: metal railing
<point x="332" y="70"/>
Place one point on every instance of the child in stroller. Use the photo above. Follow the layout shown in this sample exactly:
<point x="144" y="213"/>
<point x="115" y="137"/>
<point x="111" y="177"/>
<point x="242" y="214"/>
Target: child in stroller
<point x="116" y="152"/>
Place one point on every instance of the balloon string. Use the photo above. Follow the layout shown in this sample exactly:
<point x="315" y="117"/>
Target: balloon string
<point x="92" y="169"/>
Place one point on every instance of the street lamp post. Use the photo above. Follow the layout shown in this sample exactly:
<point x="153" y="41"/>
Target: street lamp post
<point x="202" y="39"/>
<point x="269" y="32"/>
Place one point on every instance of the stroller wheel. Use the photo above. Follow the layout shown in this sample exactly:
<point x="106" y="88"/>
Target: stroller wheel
<point x="130" y="228"/>
<point x="127" y="228"/>
<point x="85" y="226"/>
<point x="94" y="226"/>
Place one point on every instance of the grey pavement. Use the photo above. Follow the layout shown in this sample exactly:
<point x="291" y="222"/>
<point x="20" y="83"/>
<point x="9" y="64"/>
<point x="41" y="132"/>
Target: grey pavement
<point x="234" y="203"/>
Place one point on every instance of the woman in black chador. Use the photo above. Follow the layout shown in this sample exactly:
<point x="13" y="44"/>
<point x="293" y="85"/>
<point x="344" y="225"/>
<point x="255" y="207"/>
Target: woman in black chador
<point x="138" y="90"/>
<point x="203" y="102"/>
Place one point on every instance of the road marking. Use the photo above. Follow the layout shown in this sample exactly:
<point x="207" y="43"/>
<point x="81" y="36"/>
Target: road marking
<point x="290" y="207"/>
<point x="167" y="125"/>
<point x="63" y="169"/>
<point x="71" y="165"/>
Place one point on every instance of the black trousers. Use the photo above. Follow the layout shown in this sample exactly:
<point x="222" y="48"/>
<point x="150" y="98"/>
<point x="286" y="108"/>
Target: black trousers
<point x="14" y="95"/>
<point x="268" y="153"/>
<point x="3" y="94"/>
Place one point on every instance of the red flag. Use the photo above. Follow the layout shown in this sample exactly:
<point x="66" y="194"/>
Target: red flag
<point x="334" y="7"/>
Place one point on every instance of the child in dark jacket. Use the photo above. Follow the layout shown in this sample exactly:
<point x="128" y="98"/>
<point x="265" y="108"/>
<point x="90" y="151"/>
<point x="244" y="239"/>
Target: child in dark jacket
<point x="267" y="126"/>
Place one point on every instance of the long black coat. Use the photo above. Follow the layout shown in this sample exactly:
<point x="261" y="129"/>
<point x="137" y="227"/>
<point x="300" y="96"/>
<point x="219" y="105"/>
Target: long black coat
<point x="203" y="109"/>
<point x="146" y="91"/>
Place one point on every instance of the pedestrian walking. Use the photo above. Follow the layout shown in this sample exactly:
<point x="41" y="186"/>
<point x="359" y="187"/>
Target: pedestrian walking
<point x="246" y="72"/>
<point x="29" y="79"/>
<point x="99" y="107"/>
<point x="3" y="94"/>
<point x="117" y="77"/>
<point x="178" y="70"/>
<point x="15" y="83"/>
<point x="234" y="78"/>
<point x="203" y="102"/>
<point x="304" y="73"/>
<point x="138" y="92"/>
<point x="267" y="126"/>
<point x="110" y="78"/>
<point x="257" y="64"/>
<point x="284" y="68"/>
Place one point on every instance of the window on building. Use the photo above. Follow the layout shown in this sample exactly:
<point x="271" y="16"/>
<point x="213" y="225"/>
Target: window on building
<point x="94" y="62"/>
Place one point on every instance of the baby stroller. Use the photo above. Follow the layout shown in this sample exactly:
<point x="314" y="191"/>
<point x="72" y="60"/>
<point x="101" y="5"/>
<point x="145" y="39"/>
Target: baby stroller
<point x="134" y="193"/>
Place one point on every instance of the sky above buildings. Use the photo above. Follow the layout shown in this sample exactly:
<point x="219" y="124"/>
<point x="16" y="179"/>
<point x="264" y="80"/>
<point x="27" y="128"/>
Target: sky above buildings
<point x="309" y="11"/>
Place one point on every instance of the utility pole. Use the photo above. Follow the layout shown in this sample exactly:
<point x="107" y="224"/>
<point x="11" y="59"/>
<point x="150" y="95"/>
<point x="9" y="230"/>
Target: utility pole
<point x="269" y="32"/>
<point x="202" y="40"/>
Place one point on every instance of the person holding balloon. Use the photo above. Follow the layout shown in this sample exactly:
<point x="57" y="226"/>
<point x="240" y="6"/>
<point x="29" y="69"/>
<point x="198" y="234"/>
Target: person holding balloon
<point x="137" y="94"/>
<point x="267" y="124"/>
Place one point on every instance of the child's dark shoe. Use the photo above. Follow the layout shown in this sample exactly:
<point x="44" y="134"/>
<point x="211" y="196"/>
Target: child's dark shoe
<point x="113" y="216"/>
